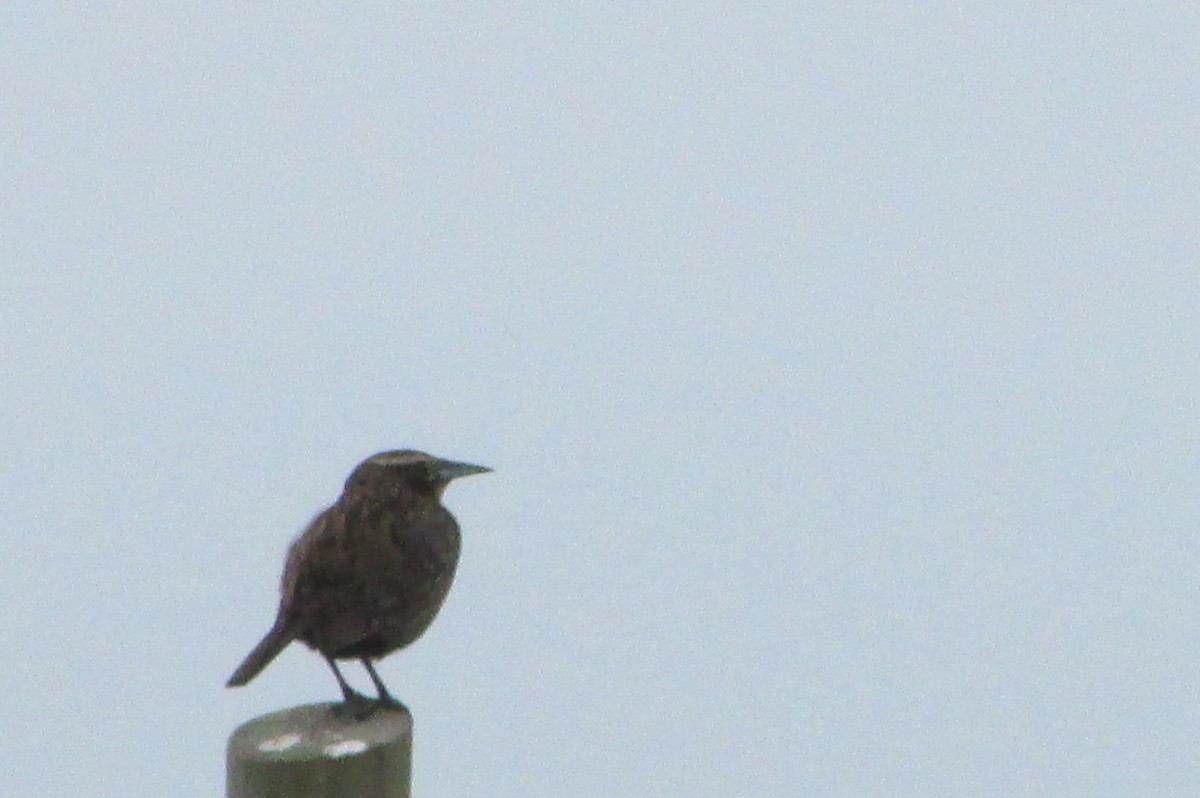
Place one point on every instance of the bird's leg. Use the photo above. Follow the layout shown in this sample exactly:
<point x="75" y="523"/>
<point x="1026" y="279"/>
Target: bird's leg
<point x="356" y="705"/>
<point x="385" y="698"/>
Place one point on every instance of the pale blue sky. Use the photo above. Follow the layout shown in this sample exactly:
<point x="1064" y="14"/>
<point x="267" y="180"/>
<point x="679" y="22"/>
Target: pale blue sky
<point x="838" y="365"/>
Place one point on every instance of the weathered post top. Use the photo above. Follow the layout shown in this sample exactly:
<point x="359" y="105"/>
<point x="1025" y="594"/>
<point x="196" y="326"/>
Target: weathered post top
<point x="314" y="750"/>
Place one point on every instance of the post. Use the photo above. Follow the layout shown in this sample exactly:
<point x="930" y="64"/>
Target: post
<point x="312" y="751"/>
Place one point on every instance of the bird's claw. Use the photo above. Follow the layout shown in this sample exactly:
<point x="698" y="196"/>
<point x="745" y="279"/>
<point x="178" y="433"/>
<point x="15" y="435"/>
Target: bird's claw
<point x="355" y="707"/>
<point x="387" y="703"/>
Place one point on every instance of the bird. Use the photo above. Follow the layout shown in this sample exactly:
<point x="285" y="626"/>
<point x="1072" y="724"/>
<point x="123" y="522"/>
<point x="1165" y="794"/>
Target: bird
<point x="370" y="572"/>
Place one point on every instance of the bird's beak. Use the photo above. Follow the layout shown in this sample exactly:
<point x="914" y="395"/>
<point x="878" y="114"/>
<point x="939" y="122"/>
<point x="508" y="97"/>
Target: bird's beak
<point x="449" y="470"/>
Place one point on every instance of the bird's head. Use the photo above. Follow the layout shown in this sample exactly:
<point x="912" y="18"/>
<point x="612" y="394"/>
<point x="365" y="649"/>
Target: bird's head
<point x="405" y="468"/>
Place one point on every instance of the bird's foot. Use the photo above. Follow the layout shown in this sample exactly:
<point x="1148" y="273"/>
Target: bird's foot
<point x="356" y="707"/>
<point x="386" y="703"/>
<point x="385" y="698"/>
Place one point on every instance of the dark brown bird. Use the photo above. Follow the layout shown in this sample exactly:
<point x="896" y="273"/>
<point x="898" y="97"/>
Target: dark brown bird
<point x="370" y="573"/>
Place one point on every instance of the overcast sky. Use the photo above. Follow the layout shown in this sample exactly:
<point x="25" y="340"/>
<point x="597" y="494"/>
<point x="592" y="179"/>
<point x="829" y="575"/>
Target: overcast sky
<point x="838" y="366"/>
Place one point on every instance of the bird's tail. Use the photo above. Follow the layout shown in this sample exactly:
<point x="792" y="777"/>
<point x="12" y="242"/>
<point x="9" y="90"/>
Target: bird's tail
<point x="267" y="649"/>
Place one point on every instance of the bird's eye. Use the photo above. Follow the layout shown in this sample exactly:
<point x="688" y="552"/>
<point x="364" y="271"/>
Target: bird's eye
<point x="423" y="476"/>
